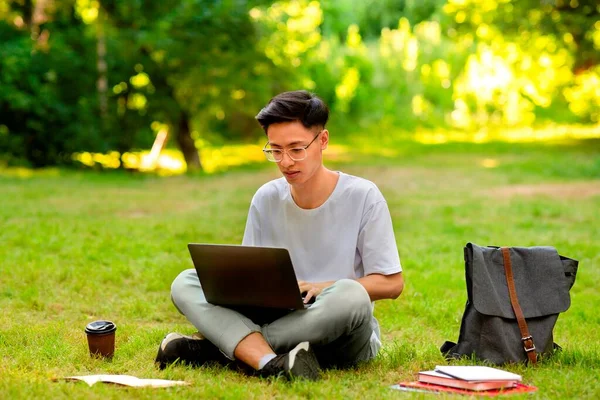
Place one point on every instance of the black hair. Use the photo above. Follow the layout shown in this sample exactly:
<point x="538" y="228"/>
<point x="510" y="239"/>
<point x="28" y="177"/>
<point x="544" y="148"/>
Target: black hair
<point x="298" y="105"/>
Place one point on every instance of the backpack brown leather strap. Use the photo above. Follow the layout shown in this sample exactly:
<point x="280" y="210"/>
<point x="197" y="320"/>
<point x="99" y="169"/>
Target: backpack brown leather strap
<point x="526" y="338"/>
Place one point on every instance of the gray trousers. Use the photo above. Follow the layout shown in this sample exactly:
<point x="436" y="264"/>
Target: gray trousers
<point x="338" y="324"/>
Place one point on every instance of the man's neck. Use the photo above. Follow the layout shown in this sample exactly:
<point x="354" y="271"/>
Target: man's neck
<point x="317" y="190"/>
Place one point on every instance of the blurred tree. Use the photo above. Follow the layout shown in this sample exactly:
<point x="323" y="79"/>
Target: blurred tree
<point x="573" y="23"/>
<point x="199" y="58"/>
<point x="371" y="16"/>
<point x="102" y="75"/>
<point x="46" y="111"/>
<point x="193" y="64"/>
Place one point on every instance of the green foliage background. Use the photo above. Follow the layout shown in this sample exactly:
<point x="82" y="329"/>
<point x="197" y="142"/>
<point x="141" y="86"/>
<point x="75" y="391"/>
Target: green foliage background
<point x="204" y="68"/>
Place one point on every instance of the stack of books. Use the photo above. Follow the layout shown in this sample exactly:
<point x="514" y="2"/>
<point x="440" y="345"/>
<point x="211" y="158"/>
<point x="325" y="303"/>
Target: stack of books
<point x="469" y="380"/>
<point x="470" y="377"/>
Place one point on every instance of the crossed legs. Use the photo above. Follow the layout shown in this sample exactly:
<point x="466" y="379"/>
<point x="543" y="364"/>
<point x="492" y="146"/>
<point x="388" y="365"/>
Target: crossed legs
<point x="337" y="325"/>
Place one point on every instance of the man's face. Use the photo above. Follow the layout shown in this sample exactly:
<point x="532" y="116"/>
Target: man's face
<point x="293" y="135"/>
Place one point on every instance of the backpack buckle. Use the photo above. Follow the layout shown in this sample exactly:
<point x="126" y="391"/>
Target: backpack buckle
<point x="528" y="343"/>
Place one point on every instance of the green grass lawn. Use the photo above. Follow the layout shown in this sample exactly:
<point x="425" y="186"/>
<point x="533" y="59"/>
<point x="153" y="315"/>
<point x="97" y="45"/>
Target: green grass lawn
<point x="80" y="246"/>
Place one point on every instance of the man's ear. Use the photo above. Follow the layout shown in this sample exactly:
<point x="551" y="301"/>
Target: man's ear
<point x="324" y="139"/>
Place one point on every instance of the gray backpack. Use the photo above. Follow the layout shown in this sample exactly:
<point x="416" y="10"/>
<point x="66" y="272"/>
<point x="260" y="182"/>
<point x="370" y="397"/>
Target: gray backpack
<point x="514" y="297"/>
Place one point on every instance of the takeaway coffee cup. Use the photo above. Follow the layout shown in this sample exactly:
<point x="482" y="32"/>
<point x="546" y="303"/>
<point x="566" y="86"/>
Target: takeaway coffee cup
<point x="101" y="338"/>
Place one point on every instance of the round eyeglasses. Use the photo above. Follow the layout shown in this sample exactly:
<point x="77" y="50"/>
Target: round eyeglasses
<point x="295" y="153"/>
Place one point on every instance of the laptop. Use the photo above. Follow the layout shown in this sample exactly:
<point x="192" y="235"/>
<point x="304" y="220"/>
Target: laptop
<point x="247" y="276"/>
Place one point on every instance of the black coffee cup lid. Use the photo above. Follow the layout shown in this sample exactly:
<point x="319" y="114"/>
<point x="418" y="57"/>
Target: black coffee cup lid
<point x="100" y="327"/>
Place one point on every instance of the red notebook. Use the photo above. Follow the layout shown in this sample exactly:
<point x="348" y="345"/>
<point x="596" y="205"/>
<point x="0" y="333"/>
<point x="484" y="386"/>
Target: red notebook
<point x="430" y="387"/>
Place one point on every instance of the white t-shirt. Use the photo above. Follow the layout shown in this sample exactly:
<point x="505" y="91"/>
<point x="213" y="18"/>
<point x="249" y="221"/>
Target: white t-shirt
<point x="349" y="236"/>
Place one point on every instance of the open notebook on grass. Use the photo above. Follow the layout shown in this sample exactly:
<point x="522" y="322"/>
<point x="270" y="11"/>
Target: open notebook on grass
<point x="125" y="380"/>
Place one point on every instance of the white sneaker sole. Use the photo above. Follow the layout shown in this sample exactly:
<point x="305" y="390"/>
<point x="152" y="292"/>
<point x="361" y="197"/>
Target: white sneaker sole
<point x="292" y="354"/>
<point x="167" y="339"/>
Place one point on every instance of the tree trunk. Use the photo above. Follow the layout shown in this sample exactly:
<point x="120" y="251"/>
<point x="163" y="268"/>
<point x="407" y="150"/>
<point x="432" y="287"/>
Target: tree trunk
<point x="187" y="145"/>
<point x="182" y="133"/>
<point x="102" y="81"/>
<point x="28" y="8"/>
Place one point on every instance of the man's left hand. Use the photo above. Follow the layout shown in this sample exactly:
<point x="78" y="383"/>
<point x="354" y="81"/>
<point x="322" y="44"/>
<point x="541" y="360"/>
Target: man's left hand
<point x="312" y="289"/>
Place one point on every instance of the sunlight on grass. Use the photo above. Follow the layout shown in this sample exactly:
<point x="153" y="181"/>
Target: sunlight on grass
<point x="221" y="158"/>
<point x="171" y="162"/>
<point x="516" y="135"/>
<point x="489" y="163"/>
<point x="20" y="172"/>
<point x="217" y="159"/>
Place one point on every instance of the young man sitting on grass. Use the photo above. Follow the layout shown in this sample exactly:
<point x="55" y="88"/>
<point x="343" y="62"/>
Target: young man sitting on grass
<point x="338" y="230"/>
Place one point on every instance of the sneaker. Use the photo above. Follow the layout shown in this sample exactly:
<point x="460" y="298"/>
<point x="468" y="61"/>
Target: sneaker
<point x="301" y="362"/>
<point x="194" y="350"/>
